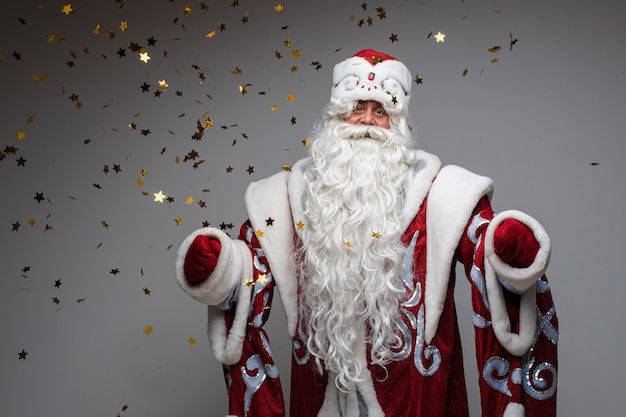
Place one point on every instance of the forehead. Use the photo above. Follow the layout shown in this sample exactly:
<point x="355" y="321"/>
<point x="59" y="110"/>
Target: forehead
<point x="369" y="103"/>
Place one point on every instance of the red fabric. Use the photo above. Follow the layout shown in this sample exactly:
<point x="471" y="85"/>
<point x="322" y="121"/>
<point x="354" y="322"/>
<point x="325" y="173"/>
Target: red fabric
<point x="403" y="390"/>
<point x="515" y="243"/>
<point x="253" y="390"/>
<point x="374" y="57"/>
<point x="201" y="259"/>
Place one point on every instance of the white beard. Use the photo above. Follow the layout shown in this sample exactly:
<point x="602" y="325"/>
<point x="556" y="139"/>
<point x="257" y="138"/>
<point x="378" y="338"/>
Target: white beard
<point x="351" y="247"/>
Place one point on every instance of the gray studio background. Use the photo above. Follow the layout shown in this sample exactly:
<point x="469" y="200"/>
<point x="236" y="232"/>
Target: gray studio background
<point x="88" y="254"/>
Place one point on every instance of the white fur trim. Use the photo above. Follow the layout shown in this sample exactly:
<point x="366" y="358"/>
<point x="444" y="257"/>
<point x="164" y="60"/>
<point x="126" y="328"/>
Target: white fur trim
<point x="451" y="201"/>
<point x="340" y="403"/>
<point x="269" y="198"/>
<point x="519" y="278"/>
<point x="227" y="344"/>
<point x="516" y="344"/>
<point x="514" y="410"/>
<point x="390" y="85"/>
<point x="227" y="274"/>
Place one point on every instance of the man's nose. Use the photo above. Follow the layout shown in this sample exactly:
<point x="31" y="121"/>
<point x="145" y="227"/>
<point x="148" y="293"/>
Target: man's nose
<point x="367" y="117"/>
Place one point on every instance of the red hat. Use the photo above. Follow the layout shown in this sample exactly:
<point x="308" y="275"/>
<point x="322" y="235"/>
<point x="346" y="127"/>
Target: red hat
<point x="373" y="75"/>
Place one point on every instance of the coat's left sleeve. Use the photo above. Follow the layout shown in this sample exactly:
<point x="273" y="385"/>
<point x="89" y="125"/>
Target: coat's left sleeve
<point x="515" y="324"/>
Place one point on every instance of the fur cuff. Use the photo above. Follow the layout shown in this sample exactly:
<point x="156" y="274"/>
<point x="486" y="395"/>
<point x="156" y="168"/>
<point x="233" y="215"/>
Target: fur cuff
<point x="227" y="274"/>
<point x="520" y="279"/>
<point x="514" y="410"/>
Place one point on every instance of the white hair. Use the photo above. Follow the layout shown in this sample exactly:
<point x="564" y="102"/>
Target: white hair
<point x="351" y="250"/>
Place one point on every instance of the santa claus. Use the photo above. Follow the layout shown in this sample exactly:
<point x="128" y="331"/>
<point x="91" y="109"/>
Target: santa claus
<point x="361" y="240"/>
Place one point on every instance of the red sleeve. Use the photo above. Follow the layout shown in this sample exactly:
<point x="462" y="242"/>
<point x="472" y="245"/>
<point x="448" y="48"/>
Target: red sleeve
<point x="522" y="385"/>
<point x="253" y="384"/>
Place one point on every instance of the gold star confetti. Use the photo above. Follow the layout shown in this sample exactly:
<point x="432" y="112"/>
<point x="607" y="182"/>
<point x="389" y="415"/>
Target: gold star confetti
<point x="290" y="98"/>
<point x="147" y="330"/>
<point x="278" y="8"/>
<point x="179" y="221"/>
<point x="189" y="200"/>
<point x="275" y="108"/>
<point x="376" y="235"/>
<point x="495" y="49"/>
<point x="67" y="9"/>
<point x="210" y="34"/>
<point x="306" y="142"/>
<point x="21" y="135"/>
<point x="187" y="10"/>
<point x="159" y="196"/>
<point x="259" y="233"/>
<point x="249" y="282"/>
<point x="262" y="279"/>
<point x="96" y="30"/>
<point x="143" y="56"/>
<point x="440" y="37"/>
<point x="347" y="244"/>
<point x="300" y="225"/>
<point x="295" y="54"/>
<point x="163" y="84"/>
<point x="123" y="26"/>
<point x="191" y="341"/>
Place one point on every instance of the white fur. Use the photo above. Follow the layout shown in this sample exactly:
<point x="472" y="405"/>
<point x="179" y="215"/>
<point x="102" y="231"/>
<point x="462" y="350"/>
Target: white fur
<point x="514" y="410"/>
<point x="227" y="273"/>
<point x="521" y="279"/>
<point x="452" y="198"/>
<point x="270" y="198"/>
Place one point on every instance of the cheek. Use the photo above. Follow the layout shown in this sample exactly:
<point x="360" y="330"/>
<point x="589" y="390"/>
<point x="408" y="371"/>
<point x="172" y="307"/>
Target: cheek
<point x="353" y="119"/>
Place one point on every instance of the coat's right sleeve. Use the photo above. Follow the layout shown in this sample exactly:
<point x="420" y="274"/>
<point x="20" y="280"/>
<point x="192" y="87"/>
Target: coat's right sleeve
<point x="236" y="334"/>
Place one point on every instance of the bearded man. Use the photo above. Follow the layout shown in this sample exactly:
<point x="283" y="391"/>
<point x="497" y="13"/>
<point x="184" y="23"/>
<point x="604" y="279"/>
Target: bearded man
<point x="361" y="240"/>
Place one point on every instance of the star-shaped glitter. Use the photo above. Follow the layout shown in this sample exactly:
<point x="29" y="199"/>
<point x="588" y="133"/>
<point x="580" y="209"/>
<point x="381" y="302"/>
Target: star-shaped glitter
<point x="440" y="37"/>
<point x="377" y="235"/>
<point x="147" y="330"/>
<point x="191" y="341"/>
<point x="159" y="196"/>
<point x="300" y="225"/>
<point x="22" y="355"/>
<point x="259" y="233"/>
<point x="143" y="56"/>
<point x="278" y="8"/>
<point x="261" y="278"/>
<point x="67" y="9"/>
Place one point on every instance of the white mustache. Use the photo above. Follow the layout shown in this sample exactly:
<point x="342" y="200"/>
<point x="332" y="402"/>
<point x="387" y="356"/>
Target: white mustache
<point x="350" y="131"/>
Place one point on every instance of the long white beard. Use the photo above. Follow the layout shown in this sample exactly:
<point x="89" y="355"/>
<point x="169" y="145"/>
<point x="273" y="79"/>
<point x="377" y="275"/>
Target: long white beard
<point x="351" y="246"/>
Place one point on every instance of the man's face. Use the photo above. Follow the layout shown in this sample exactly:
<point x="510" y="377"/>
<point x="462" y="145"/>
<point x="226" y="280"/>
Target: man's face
<point x="369" y="113"/>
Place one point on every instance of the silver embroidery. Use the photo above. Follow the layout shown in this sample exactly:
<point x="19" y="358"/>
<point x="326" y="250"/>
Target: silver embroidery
<point x="499" y="381"/>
